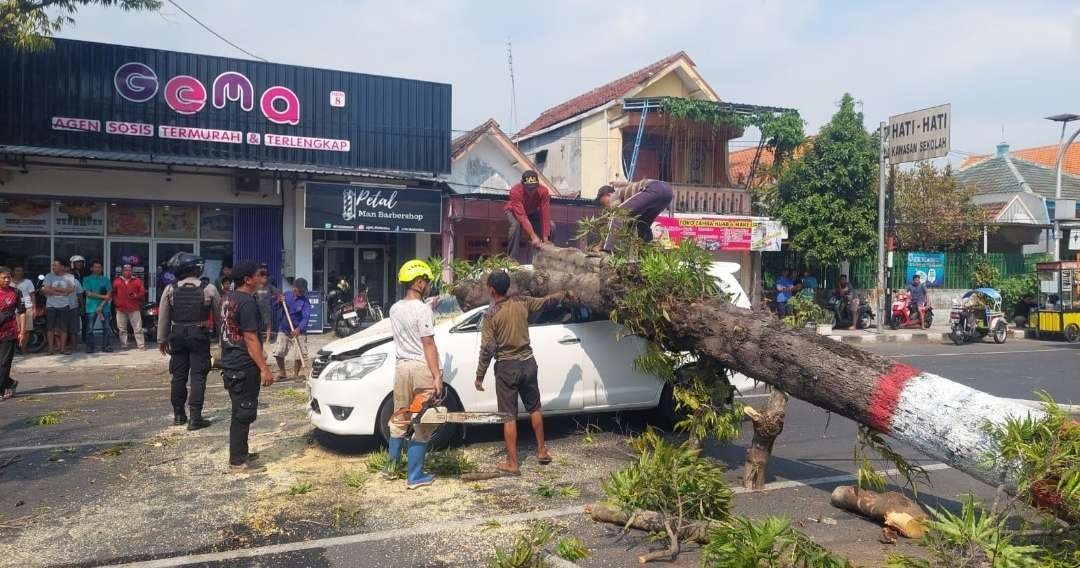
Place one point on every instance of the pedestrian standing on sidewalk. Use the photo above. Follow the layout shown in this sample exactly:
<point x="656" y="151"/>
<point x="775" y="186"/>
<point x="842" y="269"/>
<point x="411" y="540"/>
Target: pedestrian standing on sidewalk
<point x="12" y="330"/>
<point x="61" y="291"/>
<point x="78" y="329"/>
<point x="417" y="374"/>
<point x="128" y="295"/>
<point x="26" y="286"/>
<point x="298" y="310"/>
<point x="505" y="338"/>
<point x="266" y="298"/>
<point x="785" y="287"/>
<point x="98" y="291"/>
<point x="183" y="333"/>
<point x="243" y="363"/>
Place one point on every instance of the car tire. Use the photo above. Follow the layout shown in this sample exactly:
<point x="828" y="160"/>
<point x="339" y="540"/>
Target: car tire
<point x="446" y="435"/>
<point x="666" y="413"/>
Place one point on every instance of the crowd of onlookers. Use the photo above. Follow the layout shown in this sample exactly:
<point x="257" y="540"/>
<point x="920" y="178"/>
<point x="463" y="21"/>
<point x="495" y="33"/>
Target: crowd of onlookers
<point x="790" y="283"/>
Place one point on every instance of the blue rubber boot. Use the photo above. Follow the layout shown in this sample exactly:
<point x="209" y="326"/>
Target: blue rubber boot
<point x="394" y="451"/>
<point x="417" y="478"/>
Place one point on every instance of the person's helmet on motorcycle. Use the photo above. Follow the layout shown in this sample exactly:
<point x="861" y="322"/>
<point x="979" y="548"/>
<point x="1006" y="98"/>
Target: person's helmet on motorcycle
<point x="186" y="264"/>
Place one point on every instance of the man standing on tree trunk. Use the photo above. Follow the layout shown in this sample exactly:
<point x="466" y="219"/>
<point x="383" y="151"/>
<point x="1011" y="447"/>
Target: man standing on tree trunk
<point x="505" y="337"/>
<point x="529" y="213"/>
<point x="643" y="200"/>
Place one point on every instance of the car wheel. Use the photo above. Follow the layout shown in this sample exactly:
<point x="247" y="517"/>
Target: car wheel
<point x="442" y="438"/>
<point x="1072" y="333"/>
<point x="666" y="414"/>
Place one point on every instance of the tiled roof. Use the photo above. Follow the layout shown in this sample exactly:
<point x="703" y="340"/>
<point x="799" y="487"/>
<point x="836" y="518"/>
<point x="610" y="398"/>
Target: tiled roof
<point x="995" y="175"/>
<point x="599" y="96"/>
<point x="739" y="164"/>
<point x="1045" y="155"/>
<point x="461" y="143"/>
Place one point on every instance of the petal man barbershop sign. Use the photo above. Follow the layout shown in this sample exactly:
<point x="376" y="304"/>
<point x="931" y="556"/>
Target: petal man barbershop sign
<point x="346" y="207"/>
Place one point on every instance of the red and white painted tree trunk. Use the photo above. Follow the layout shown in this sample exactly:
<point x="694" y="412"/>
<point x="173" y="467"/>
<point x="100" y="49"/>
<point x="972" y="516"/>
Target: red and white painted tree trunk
<point x="943" y="419"/>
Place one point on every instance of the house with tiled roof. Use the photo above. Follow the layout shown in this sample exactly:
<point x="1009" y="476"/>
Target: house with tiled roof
<point x="741" y="162"/>
<point x="598" y="138"/>
<point x="1045" y="155"/>
<point x="1019" y="196"/>
<point x="485" y="160"/>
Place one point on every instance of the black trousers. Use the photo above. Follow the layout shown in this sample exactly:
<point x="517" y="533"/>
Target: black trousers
<point x="243" y="386"/>
<point x="7" y="354"/>
<point x="643" y="207"/>
<point x="190" y="349"/>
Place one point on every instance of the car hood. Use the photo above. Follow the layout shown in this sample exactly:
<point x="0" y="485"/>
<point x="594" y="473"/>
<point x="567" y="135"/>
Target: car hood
<point x="381" y="330"/>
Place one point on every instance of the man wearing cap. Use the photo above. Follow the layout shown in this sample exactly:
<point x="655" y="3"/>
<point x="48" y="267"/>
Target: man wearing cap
<point x="643" y="201"/>
<point x="292" y="327"/>
<point x="528" y="211"/>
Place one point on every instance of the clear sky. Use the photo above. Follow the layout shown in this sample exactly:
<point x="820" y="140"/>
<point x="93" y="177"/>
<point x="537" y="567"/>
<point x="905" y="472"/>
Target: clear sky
<point x="1000" y="64"/>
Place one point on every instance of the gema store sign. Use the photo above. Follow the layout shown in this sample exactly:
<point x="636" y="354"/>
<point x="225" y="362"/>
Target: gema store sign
<point x="116" y="98"/>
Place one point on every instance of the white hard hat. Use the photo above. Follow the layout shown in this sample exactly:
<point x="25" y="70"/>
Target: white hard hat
<point x="76" y="258"/>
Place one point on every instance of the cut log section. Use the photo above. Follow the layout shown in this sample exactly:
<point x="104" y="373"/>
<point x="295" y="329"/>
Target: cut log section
<point x="891" y="509"/>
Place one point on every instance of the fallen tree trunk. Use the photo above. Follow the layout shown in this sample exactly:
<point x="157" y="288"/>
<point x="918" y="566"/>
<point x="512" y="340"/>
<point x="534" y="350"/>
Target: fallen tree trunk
<point x="648" y="521"/>
<point x="892" y="509"/>
<point x="941" y="418"/>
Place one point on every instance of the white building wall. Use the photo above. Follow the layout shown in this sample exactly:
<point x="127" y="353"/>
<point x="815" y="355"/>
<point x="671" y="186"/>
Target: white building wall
<point x="486" y="167"/>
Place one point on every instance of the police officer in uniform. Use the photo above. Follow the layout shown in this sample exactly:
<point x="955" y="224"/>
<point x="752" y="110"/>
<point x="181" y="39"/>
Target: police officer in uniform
<point x="184" y="334"/>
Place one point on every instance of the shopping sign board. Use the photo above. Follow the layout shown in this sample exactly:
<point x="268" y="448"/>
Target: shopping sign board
<point x="384" y="209"/>
<point x="99" y="97"/>
<point x="720" y="233"/>
<point x="930" y="266"/>
<point x="920" y="135"/>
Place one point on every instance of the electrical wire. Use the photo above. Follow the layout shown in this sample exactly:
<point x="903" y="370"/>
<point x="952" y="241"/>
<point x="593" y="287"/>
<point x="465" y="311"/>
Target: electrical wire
<point x="217" y="35"/>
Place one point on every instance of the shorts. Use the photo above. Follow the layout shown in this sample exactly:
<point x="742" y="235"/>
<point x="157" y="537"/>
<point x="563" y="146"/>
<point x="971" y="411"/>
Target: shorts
<point x="284" y="345"/>
<point x="413" y="385"/>
<point x="514" y="379"/>
<point x="56" y="319"/>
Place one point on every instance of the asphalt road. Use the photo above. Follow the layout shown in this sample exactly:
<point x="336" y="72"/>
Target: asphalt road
<point x="67" y="471"/>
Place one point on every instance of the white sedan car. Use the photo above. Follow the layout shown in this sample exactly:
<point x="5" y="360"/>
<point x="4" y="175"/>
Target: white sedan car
<point x="584" y="367"/>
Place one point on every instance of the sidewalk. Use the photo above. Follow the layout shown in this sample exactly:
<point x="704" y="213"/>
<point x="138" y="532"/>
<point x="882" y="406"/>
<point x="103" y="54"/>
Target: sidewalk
<point x="151" y="358"/>
<point x="938" y="333"/>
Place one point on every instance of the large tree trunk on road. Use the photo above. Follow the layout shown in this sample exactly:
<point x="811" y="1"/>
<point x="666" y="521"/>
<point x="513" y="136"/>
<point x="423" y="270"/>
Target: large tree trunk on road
<point x="941" y="418"/>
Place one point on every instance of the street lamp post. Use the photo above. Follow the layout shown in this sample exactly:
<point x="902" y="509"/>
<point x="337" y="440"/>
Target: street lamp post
<point x="1063" y="146"/>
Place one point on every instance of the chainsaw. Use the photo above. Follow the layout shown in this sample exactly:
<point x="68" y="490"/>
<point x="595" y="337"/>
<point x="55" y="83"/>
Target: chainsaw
<point x="431" y="411"/>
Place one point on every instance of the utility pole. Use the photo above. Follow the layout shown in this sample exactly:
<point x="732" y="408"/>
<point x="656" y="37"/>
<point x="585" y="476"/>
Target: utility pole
<point x="881" y="228"/>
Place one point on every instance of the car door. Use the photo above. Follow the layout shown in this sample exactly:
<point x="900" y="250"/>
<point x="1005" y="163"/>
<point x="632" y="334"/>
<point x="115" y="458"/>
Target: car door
<point x="608" y="355"/>
<point x="556" y="345"/>
<point x="459" y="350"/>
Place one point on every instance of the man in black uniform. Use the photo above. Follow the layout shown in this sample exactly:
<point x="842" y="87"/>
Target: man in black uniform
<point x="184" y="332"/>
<point x="243" y="362"/>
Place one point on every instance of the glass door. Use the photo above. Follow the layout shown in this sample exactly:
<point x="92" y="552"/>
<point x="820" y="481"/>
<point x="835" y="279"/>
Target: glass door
<point x="340" y="264"/>
<point x="372" y="274"/>
<point x="164" y="250"/>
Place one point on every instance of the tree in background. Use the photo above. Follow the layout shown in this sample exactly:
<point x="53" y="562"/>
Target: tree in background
<point x="783" y="136"/>
<point x="934" y="212"/>
<point x="828" y="195"/>
<point x="26" y="24"/>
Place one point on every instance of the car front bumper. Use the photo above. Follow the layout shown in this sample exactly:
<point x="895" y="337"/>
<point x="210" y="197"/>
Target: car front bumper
<point x="343" y="407"/>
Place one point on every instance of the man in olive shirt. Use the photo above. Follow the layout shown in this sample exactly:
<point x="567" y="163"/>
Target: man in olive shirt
<point x="505" y="337"/>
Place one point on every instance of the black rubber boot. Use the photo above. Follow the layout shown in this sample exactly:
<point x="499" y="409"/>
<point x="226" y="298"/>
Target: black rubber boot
<point x="197" y="421"/>
<point x="179" y="418"/>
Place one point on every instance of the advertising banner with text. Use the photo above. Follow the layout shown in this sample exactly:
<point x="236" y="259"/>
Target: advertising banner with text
<point x="716" y="233"/>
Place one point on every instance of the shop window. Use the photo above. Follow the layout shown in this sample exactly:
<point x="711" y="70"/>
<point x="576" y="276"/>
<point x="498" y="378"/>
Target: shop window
<point x="31" y="253"/>
<point x="25" y="216"/>
<point x="79" y="217"/>
<point x="175" y="221"/>
<point x="129" y="220"/>
<point x="216" y="254"/>
<point x="216" y="223"/>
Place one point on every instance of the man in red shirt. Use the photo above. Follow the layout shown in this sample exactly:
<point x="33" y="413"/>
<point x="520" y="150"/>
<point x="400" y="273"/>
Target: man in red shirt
<point x="528" y="211"/>
<point x="128" y="295"/>
<point x="12" y="330"/>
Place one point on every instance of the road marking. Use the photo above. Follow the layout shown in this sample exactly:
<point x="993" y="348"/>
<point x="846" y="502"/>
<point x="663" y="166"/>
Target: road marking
<point x="424" y="530"/>
<point x="974" y="353"/>
<point x="31" y="393"/>
<point x="813" y="481"/>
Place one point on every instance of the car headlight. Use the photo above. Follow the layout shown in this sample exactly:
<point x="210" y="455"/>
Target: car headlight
<point x="353" y="369"/>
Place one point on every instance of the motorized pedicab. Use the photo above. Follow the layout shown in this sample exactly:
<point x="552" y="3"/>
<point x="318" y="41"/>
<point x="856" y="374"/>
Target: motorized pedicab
<point x="1058" y="310"/>
<point x="977" y="314"/>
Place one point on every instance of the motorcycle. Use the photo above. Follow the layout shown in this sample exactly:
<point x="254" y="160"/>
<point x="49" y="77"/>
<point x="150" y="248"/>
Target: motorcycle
<point x="35" y="339"/>
<point x="864" y="319"/>
<point x="904" y="313"/>
<point x="977" y="314"/>
<point x="347" y="314"/>
<point x="149" y="313"/>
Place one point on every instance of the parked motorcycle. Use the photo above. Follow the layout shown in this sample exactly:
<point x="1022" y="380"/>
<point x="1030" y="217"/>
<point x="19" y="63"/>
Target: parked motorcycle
<point x="841" y="310"/>
<point x="347" y="314"/>
<point x="36" y="340"/>
<point x="976" y="315"/>
<point x="149" y="313"/>
<point x="905" y="314"/>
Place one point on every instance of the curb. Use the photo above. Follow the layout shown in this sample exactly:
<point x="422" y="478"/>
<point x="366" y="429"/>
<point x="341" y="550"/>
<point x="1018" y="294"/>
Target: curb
<point x="914" y="337"/>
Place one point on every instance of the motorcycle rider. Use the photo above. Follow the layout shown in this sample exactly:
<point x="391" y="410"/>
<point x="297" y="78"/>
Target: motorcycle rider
<point x="184" y="333"/>
<point x="846" y="302"/>
<point x="920" y="299"/>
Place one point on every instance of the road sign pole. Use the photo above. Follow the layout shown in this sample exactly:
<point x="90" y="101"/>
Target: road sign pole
<point x="881" y="229"/>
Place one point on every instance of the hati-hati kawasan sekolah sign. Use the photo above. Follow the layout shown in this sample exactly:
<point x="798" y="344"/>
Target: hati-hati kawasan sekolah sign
<point x="720" y="233"/>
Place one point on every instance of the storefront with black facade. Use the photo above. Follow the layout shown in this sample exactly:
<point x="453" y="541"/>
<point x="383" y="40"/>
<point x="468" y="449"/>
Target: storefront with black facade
<point x="130" y="155"/>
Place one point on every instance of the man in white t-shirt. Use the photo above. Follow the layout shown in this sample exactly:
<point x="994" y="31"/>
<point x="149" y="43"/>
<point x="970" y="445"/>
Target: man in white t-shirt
<point x="26" y="286"/>
<point x="417" y="375"/>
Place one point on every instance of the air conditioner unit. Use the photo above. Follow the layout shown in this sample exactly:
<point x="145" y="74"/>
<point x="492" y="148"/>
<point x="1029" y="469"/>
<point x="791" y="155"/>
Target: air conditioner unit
<point x="1065" y="209"/>
<point x="246" y="183"/>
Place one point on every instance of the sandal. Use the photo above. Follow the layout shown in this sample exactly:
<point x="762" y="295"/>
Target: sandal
<point x="543" y="460"/>
<point x="505" y="470"/>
